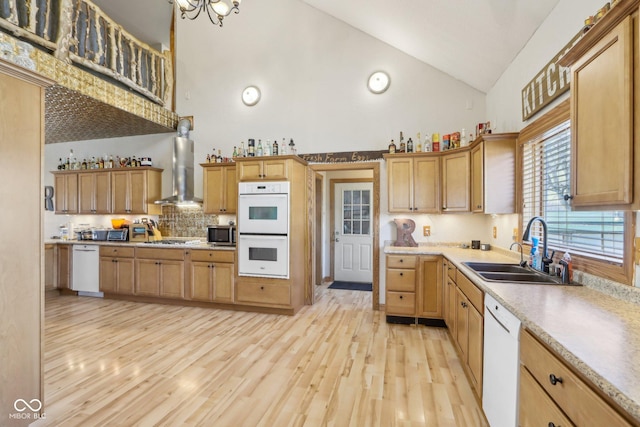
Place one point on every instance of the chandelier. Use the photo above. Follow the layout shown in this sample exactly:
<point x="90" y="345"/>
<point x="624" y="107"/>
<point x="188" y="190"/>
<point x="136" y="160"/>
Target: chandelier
<point x="216" y="9"/>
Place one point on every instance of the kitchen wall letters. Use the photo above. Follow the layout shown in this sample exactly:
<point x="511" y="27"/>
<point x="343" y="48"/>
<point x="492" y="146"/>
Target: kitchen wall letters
<point x="344" y="157"/>
<point x="548" y="84"/>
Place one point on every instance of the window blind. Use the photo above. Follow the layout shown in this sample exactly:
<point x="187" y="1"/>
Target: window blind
<point x="546" y="180"/>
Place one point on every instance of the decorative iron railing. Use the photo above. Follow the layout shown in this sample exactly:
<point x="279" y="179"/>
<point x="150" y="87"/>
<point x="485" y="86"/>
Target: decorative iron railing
<point x="79" y="31"/>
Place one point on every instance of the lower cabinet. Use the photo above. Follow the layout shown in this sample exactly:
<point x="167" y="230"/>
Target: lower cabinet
<point x="551" y="393"/>
<point x="414" y="286"/>
<point x="449" y="283"/>
<point x="211" y="276"/>
<point x="468" y="330"/>
<point x="264" y="292"/>
<point x="160" y="272"/>
<point x="63" y="277"/>
<point x="117" y="270"/>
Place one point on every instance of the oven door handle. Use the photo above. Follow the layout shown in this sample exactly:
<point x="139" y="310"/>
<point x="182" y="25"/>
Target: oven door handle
<point x="261" y="236"/>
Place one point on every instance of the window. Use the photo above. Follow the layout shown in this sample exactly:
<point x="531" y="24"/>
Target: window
<point x="546" y="181"/>
<point x="356" y="207"/>
<point x="596" y="240"/>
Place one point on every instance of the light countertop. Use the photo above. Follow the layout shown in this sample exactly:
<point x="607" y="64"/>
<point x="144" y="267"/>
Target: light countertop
<point x="199" y="246"/>
<point x="597" y="334"/>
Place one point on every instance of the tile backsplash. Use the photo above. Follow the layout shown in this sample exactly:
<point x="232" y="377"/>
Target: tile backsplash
<point x="185" y="221"/>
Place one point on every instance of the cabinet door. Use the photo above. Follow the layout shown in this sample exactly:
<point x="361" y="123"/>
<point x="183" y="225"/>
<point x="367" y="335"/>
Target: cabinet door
<point x="602" y="121"/>
<point x="477" y="178"/>
<point x="137" y="192"/>
<point x="249" y="170"/>
<point x="426" y="185"/>
<point x="125" y="276"/>
<point x="64" y="267"/>
<point x="400" y="185"/>
<point x="201" y="281"/>
<point x="102" y="192"/>
<point x="214" y="189"/>
<point x="455" y="182"/>
<point x="108" y="277"/>
<point x="172" y="279"/>
<point x="275" y="169"/>
<point x="231" y="190"/>
<point x="223" y="282"/>
<point x="120" y="192"/>
<point x="86" y="193"/>
<point x="430" y="287"/>
<point x="147" y="277"/>
<point x="462" y="328"/>
<point x="475" y="347"/>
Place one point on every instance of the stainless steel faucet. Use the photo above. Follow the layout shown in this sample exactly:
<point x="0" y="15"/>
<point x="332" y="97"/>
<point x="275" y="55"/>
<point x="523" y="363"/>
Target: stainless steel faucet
<point x="522" y="261"/>
<point x="525" y="238"/>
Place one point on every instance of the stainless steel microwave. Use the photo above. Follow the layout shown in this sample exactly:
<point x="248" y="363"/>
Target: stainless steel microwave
<point x="224" y="235"/>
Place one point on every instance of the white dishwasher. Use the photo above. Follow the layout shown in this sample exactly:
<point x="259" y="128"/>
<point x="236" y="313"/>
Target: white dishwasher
<point x="85" y="277"/>
<point x="500" y="366"/>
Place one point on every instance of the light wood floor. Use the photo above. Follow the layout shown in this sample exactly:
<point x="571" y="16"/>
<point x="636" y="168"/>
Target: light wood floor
<point x="337" y="363"/>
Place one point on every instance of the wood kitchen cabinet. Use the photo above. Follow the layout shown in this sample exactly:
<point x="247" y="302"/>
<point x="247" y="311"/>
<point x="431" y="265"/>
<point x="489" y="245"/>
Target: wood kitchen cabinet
<point x="551" y="392"/>
<point x="160" y="272"/>
<point x="266" y="293"/>
<point x="605" y="106"/>
<point x="455" y="182"/>
<point x="66" y="193"/>
<point x="211" y="276"/>
<point x="94" y="193"/>
<point x="220" y="188"/>
<point x="133" y="191"/>
<point x="469" y="329"/>
<point x="259" y="168"/>
<point x="117" y="268"/>
<point x="413" y="183"/>
<point x="401" y="285"/>
<point x="63" y="258"/>
<point x="429" y="287"/>
<point x="493" y="173"/>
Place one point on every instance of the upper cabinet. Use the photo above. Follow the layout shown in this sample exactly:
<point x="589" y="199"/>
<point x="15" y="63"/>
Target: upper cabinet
<point x="94" y="193"/>
<point x="493" y="173"/>
<point x="605" y="92"/>
<point x="113" y="191"/>
<point x="414" y="183"/>
<point x="220" y="188"/>
<point x="66" y="193"/>
<point x="255" y="169"/>
<point x="455" y="181"/>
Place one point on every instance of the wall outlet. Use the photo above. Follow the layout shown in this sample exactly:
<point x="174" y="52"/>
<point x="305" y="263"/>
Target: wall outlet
<point x="426" y="230"/>
<point x="515" y="235"/>
<point x="495" y="232"/>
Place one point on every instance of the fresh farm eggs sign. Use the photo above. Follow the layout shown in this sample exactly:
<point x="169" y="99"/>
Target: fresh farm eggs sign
<point x="552" y="81"/>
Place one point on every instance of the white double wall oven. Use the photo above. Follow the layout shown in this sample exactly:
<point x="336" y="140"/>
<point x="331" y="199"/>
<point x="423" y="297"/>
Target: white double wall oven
<point x="263" y="229"/>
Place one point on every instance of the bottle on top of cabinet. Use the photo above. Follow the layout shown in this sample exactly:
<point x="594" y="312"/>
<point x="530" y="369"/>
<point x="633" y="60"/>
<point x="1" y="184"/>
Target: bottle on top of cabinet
<point x="392" y="147"/>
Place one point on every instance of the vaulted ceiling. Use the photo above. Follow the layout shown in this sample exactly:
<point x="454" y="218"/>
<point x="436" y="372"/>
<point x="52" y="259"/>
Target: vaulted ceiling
<point x="471" y="40"/>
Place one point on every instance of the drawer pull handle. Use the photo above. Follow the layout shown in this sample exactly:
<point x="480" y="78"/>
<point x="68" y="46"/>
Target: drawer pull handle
<point x="554" y="380"/>
<point x="402" y="274"/>
<point x="401" y="296"/>
<point x="262" y="288"/>
<point x="401" y="260"/>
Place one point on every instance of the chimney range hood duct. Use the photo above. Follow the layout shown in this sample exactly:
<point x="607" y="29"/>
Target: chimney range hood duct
<point x="182" y="175"/>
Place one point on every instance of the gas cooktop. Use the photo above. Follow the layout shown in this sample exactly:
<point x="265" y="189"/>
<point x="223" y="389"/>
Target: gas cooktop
<point x="175" y="242"/>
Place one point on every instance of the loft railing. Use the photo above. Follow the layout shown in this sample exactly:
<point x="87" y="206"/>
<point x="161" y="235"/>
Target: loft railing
<point x="79" y="31"/>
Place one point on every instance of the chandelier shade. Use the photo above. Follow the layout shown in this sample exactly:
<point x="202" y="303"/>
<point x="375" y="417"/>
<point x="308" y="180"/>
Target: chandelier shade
<point x="216" y="10"/>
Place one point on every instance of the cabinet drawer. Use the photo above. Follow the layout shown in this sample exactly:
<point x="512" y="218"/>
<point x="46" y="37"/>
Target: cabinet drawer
<point x="212" y="256"/>
<point x="403" y="303"/>
<point x="264" y="293"/>
<point x="117" y="251"/>
<point x="401" y="280"/>
<point x="473" y="293"/>
<point x="153" y="253"/>
<point x="575" y="397"/>
<point x="451" y="271"/>
<point x="536" y="407"/>
<point x="401" y="261"/>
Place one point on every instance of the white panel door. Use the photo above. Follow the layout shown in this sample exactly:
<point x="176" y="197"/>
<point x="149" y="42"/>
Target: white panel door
<point x="353" y="233"/>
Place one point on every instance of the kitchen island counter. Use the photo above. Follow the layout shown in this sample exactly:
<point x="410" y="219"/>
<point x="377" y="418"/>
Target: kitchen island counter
<point x="595" y="333"/>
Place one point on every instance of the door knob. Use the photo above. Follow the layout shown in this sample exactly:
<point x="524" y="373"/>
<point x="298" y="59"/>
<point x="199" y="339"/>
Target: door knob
<point x="337" y="240"/>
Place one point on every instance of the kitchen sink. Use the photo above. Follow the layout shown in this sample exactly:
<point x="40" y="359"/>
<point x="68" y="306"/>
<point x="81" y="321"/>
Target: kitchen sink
<point x="512" y="273"/>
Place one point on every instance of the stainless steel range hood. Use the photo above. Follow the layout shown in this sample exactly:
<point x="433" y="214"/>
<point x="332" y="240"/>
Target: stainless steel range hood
<point x="182" y="169"/>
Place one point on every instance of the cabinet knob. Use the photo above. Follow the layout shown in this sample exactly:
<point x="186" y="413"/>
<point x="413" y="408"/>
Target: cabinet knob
<point x="551" y="424"/>
<point x="262" y="288"/>
<point x="401" y="296"/>
<point x="401" y="260"/>
<point x="402" y="274"/>
<point x="567" y="197"/>
<point x="554" y="380"/>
